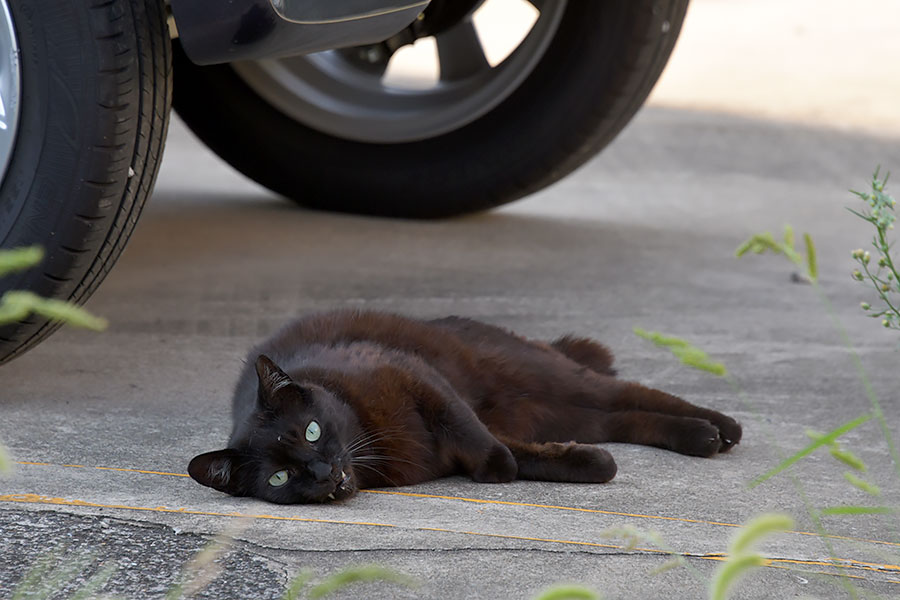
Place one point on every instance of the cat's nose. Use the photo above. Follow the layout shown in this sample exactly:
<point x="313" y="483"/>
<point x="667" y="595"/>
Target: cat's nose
<point x="320" y="470"/>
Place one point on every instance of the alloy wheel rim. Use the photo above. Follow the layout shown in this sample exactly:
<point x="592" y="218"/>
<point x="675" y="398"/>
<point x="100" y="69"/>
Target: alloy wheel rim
<point x="337" y="93"/>
<point x="10" y="87"/>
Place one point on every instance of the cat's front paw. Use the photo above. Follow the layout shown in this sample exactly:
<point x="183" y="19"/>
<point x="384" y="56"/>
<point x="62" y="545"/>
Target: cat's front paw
<point x="498" y="467"/>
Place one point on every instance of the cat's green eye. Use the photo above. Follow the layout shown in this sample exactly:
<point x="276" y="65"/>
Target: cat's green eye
<point x="313" y="431"/>
<point x="279" y="478"/>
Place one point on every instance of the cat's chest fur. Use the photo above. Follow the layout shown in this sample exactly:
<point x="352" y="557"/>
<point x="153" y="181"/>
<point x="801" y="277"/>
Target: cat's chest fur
<point x="396" y="399"/>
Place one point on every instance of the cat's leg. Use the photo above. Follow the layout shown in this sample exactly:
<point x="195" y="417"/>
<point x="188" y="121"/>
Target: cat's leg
<point x="587" y="352"/>
<point x="569" y="462"/>
<point x="463" y="440"/>
<point x="635" y="397"/>
<point x="685" y="435"/>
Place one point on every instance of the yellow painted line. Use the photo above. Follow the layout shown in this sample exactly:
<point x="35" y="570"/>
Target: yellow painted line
<point x="44" y="464"/>
<point x="551" y="506"/>
<point x="522" y="504"/>
<point x="875" y="565"/>
<point x="771" y="563"/>
<point x="775" y="563"/>
<point x="140" y="471"/>
<point x="615" y="513"/>
<point x="841" y="564"/>
<point x="38" y="499"/>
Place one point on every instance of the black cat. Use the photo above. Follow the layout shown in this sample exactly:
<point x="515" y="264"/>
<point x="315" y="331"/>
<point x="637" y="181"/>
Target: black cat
<point x="347" y="400"/>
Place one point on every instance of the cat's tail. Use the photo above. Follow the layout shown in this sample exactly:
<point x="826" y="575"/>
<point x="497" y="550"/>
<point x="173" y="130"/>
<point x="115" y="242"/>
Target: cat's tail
<point x="587" y="352"/>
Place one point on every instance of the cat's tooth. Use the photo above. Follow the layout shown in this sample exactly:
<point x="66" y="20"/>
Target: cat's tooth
<point x="331" y="496"/>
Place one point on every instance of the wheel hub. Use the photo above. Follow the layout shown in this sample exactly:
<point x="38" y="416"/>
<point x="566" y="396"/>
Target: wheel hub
<point x="10" y="87"/>
<point x="344" y="92"/>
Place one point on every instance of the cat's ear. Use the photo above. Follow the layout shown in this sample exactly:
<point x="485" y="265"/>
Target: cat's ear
<point x="217" y="470"/>
<point x="271" y="379"/>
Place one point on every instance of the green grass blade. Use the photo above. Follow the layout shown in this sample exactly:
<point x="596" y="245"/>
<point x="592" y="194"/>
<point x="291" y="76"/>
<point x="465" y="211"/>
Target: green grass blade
<point x="811" y="261"/>
<point x="757" y="528"/>
<point x="71" y="315"/>
<point x="758" y="244"/>
<point x="729" y="573"/>
<point x="825" y="440"/>
<point x="20" y="259"/>
<point x="813" y="434"/>
<point x="848" y="458"/>
<point x="48" y="585"/>
<point x="19" y="302"/>
<point x="862" y="484"/>
<point x="27" y="587"/>
<point x="5" y="462"/>
<point x="684" y="351"/>
<point x="858" y="510"/>
<point x="661" y="340"/>
<point x="97" y="581"/>
<point x="766" y="241"/>
<point x="359" y="574"/>
<point x="858" y="214"/>
<point x="568" y="592"/>
<point x="744" y="248"/>
<point x="202" y="568"/>
<point x="789" y="236"/>
<point x="698" y="359"/>
<point x="672" y="563"/>
<point x="12" y="311"/>
<point x="296" y="585"/>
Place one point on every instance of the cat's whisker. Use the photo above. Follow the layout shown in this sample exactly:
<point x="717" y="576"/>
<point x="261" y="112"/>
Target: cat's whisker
<point x="380" y="459"/>
<point x="380" y="454"/>
<point x="386" y="478"/>
<point x="366" y="437"/>
<point x="385" y="435"/>
<point x="363" y="441"/>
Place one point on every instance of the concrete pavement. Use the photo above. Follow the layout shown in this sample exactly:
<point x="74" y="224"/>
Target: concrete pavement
<point x="103" y="425"/>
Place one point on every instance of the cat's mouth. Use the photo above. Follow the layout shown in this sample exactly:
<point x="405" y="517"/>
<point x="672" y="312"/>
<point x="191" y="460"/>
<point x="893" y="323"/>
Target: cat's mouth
<point x="344" y="489"/>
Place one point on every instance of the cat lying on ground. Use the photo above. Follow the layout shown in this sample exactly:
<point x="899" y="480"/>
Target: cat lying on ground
<point x="346" y="400"/>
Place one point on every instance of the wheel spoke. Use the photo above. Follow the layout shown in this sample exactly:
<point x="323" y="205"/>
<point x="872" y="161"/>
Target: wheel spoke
<point x="460" y="54"/>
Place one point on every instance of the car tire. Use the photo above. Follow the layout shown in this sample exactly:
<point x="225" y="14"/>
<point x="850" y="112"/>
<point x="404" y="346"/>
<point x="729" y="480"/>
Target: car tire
<point x="597" y="70"/>
<point x="94" y="106"/>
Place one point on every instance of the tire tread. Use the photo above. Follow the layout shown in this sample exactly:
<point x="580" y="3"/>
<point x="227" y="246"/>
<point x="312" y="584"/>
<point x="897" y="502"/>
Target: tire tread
<point x="131" y="38"/>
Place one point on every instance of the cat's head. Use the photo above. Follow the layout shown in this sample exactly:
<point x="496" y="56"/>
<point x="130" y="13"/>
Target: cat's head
<point x="295" y="450"/>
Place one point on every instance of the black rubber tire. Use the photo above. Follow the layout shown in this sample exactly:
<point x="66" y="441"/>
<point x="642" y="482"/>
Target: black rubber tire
<point x="96" y="77"/>
<point x="598" y="70"/>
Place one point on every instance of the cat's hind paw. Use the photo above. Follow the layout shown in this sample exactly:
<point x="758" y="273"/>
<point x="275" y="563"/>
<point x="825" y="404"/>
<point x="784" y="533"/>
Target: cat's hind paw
<point x="730" y="432"/>
<point x="584" y="463"/>
<point x="696" y="437"/>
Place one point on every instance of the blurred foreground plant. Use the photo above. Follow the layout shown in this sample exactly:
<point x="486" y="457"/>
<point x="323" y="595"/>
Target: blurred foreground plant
<point x="762" y="242"/>
<point x="886" y="280"/>
<point x="16" y="305"/>
<point x="57" y="571"/>
<point x="883" y="275"/>
<point x="741" y="557"/>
